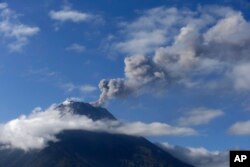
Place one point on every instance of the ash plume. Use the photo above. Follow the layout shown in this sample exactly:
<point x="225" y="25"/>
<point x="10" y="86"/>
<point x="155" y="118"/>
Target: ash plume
<point x="140" y="71"/>
<point x="182" y="47"/>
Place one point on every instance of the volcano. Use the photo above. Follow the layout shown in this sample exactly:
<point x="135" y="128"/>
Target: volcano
<point x="81" y="148"/>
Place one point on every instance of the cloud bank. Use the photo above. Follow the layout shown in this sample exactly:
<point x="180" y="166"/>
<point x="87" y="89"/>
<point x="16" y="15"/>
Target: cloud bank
<point x="16" y="33"/>
<point x="34" y="131"/>
<point x="199" y="157"/>
<point x="204" y="48"/>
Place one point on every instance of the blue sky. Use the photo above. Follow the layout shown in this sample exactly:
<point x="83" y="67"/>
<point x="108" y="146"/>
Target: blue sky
<point x="53" y="56"/>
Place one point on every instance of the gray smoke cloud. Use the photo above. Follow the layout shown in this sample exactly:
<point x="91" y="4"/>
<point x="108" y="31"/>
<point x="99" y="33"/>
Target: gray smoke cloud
<point x="140" y="71"/>
<point x="171" y="46"/>
<point x="112" y="88"/>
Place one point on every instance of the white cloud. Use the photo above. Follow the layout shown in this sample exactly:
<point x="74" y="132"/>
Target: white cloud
<point x="35" y="130"/>
<point x="76" y="48"/>
<point x="153" y="129"/>
<point x="240" y="76"/>
<point x="149" y="31"/>
<point x="143" y="42"/>
<point x="199" y="157"/>
<point x="69" y="100"/>
<point x="240" y="128"/>
<point x="15" y="32"/>
<point x="199" y="116"/>
<point x="70" y="15"/>
<point x="3" y="5"/>
<point x="231" y="29"/>
<point x="87" y="88"/>
<point x="158" y="27"/>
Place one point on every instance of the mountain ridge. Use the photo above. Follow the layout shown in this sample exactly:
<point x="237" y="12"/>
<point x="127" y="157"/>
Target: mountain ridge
<point x="82" y="108"/>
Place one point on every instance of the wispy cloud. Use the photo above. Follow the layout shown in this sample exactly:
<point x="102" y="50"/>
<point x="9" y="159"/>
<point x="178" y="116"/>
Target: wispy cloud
<point x="199" y="116"/>
<point x="41" y="74"/>
<point x="199" y="157"/>
<point x="71" y="15"/>
<point x="35" y="130"/>
<point x="68" y="87"/>
<point x="3" y="5"/>
<point x="76" y="48"/>
<point x="85" y="88"/>
<point x="16" y="33"/>
<point x="58" y="80"/>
